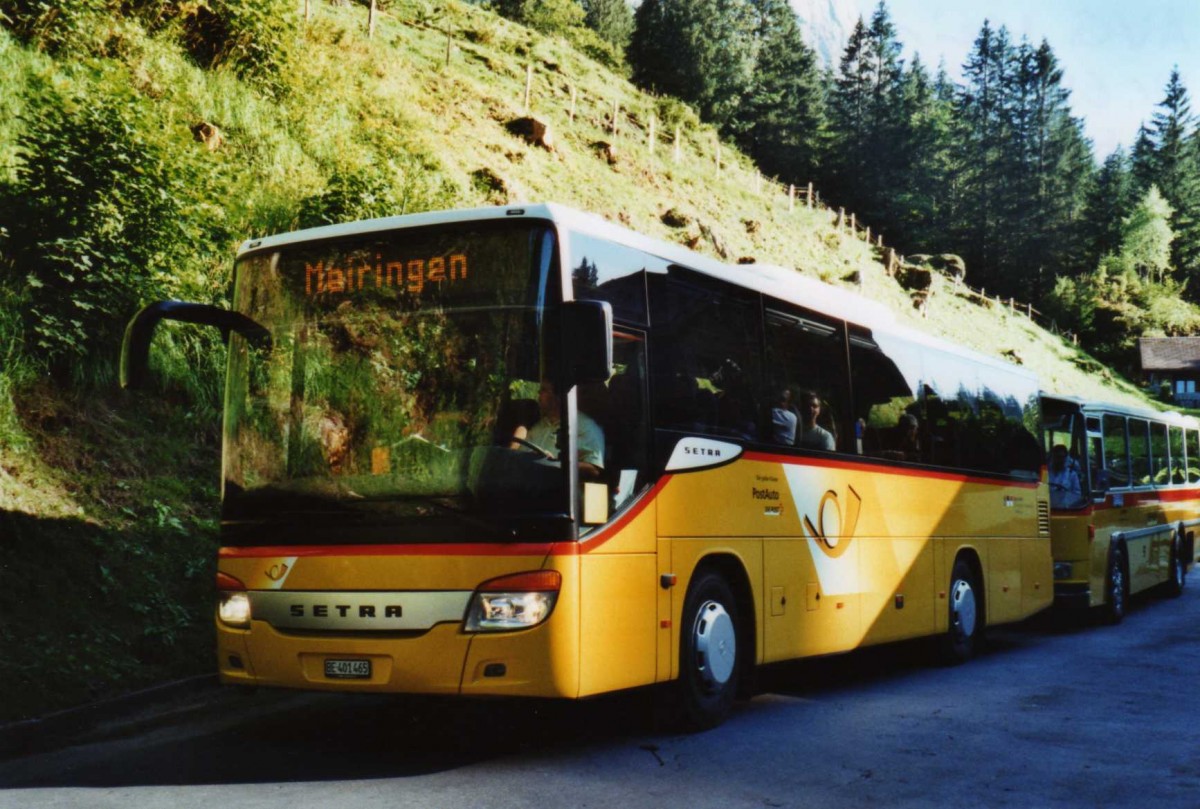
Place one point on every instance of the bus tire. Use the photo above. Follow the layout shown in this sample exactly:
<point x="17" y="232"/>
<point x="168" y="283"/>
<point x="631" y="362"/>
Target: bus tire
<point x="965" y="629"/>
<point x="1178" y="576"/>
<point x="1116" y="587"/>
<point x="708" y="653"/>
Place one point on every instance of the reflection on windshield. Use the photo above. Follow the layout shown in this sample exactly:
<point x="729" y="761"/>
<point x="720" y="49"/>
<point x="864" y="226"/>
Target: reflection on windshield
<point x="383" y="400"/>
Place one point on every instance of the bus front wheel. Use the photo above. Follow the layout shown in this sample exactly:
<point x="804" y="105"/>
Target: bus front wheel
<point x="966" y="615"/>
<point x="708" y="662"/>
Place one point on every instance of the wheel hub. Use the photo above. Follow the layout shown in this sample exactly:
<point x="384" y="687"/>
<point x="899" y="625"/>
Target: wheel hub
<point x="715" y="644"/>
<point x="962" y="603"/>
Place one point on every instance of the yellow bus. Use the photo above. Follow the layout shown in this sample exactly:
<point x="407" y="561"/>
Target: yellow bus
<point x="1125" y="501"/>
<point x="758" y="467"/>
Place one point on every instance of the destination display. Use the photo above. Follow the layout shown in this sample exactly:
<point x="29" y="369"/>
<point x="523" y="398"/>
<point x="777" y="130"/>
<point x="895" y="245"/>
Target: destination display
<point x="411" y="275"/>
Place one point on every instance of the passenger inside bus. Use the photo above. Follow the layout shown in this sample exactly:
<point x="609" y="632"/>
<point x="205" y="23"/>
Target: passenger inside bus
<point x="544" y="434"/>
<point x="784" y="419"/>
<point x="810" y="434"/>
<point x="903" y="440"/>
<point x="1066" y="489"/>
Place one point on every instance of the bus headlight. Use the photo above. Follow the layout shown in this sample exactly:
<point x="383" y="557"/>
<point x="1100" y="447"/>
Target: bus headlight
<point x="233" y="602"/>
<point x="513" y="602"/>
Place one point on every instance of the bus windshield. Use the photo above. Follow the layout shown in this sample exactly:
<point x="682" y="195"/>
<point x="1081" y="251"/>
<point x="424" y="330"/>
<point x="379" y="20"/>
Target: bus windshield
<point x="383" y="407"/>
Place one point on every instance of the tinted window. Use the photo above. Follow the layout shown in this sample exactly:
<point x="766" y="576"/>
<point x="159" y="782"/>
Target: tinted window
<point x="601" y="270"/>
<point x="1193" y="456"/>
<point x="806" y="381"/>
<point x="1139" y="451"/>
<point x="705" y="356"/>
<point x="887" y="416"/>
<point x="1116" y="456"/>
<point x="1160" y="471"/>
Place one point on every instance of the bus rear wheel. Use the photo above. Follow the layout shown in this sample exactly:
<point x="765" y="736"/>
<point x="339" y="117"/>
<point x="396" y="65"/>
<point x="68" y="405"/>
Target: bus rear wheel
<point x="1116" y="590"/>
<point x="708" y="660"/>
<point x="965" y="629"/>
<point x="1178" y="571"/>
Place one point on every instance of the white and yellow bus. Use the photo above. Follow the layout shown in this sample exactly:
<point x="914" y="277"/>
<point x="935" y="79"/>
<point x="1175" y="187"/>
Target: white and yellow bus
<point x="758" y="467"/>
<point x="1125" y="501"/>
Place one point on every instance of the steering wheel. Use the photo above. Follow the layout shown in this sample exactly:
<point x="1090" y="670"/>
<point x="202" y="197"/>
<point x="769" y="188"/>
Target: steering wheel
<point x="529" y="445"/>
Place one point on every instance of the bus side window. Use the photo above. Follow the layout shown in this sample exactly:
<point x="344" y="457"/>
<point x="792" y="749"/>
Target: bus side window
<point x="1116" y="452"/>
<point x="705" y="356"/>
<point x="806" y="355"/>
<point x="1178" y="468"/>
<point x="886" y="387"/>
<point x="1193" y="456"/>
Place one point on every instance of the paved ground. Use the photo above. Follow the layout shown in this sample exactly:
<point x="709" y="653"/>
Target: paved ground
<point x="1054" y="714"/>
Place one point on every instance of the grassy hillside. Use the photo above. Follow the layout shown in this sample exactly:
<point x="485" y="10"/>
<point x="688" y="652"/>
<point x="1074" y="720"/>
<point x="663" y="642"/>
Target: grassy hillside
<point x="107" y="500"/>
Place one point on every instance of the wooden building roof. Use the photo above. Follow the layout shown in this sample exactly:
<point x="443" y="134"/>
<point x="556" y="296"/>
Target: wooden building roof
<point x="1170" y="353"/>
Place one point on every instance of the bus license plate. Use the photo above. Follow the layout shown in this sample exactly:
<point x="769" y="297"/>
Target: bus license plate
<point x="348" y="669"/>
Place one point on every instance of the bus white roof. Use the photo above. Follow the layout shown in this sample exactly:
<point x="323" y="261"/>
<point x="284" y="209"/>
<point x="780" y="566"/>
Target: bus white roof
<point x="1100" y="408"/>
<point x="779" y="282"/>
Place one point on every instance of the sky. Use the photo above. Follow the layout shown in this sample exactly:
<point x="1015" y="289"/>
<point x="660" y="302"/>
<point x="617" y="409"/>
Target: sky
<point x="1116" y="54"/>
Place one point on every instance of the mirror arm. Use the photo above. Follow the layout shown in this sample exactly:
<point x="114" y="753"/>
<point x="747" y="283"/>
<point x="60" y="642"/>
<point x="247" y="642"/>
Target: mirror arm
<point x="135" y="348"/>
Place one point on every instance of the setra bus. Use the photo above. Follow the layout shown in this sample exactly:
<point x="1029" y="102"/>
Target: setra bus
<point x="1125" y="501"/>
<point x="524" y="451"/>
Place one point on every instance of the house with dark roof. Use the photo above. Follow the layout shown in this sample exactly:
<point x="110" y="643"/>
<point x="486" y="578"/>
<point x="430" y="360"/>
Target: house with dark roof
<point x="1175" y="360"/>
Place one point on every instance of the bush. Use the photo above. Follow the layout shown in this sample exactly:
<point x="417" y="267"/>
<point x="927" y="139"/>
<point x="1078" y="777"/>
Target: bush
<point x="54" y="25"/>
<point x="369" y="192"/>
<point x="94" y="220"/>
<point x="547" y="16"/>
<point x="257" y="38"/>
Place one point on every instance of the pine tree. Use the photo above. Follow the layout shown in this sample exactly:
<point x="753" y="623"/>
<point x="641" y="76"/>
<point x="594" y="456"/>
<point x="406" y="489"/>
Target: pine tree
<point x="923" y="196"/>
<point x="1143" y="160"/>
<point x="983" y="106"/>
<point x="701" y="51"/>
<point x="782" y="123"/>
<point x="1176" y="172"/>
<point x="1109" y="199"/>
<point x="867" y="118"/>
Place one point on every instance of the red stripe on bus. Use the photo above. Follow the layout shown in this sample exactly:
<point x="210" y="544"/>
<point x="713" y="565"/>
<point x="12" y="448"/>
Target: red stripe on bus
<point x="607" y="533"/>
<point x="455" y="549"/>
<point x="862" y="466"/>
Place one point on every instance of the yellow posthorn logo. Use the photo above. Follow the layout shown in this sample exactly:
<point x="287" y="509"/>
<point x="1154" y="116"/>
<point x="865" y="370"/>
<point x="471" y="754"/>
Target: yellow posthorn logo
<point x="835" y="543"/>
<point x="277" y="572"/>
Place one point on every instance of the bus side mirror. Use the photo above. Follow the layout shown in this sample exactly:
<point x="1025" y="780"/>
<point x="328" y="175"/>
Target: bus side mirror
<point x="135" y="348"/>
<point x="585" y="338"/>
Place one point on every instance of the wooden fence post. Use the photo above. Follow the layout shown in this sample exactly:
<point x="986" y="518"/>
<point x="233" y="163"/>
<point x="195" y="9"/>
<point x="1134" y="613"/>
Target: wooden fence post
<point x="449" y="45"/>
<point x="371" y="21"/>
<point x="809" y="197"/>
<point x="650" y="137"/>
<point x="528" y="85"/>
<point x="853" y="225"/>
<point x="616" y="115"/>
<point x="718" y="140"/>
<point x="307" y="10"/>
<point x="677" y="143"/>
<point x="868" y="235"/>
<point x="791" y="197"/>
<point x="571" y="114"/>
